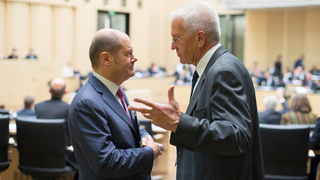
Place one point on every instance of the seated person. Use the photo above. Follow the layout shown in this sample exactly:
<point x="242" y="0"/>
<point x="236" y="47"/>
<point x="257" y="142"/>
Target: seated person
<point x="267" y="80"/>
<point x="56" y="108"/>
<point x="270" y="115"/>
<point x="28" y="107"/>
<point x="13" y="54"/>
<point x="309" y="83"/>
<point x="31" y="55"/>
<point x="300" y="112"/>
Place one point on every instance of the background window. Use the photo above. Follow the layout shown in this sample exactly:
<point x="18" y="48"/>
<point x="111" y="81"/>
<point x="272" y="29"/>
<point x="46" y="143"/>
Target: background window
<point x="115" y="20"/>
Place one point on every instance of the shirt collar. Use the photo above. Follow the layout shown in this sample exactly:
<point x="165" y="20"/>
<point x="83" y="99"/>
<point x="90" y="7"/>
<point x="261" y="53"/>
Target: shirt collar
<point x="109" y="84"/>
<point x="205" y="59"/>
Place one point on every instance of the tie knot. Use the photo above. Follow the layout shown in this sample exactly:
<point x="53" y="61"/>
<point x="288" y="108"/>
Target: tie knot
<point x="120" y="93"/>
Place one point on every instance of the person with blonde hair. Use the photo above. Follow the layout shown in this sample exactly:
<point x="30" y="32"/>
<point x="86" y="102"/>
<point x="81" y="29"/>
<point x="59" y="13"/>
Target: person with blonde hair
<point x="301" y="112"/>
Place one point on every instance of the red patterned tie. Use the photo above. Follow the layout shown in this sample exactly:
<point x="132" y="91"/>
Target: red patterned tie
<point x="121" y="96"/>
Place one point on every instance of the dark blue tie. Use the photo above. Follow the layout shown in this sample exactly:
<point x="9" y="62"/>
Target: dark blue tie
<point x="194" y="80"/>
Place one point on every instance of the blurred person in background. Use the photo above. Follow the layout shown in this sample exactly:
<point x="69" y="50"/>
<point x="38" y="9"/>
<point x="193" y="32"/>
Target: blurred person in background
<point x="28" y="107"/>
<point x="271" y="115"/>
<point x="300" y="111"/>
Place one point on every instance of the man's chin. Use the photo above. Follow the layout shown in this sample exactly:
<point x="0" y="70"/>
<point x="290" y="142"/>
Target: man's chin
<point x="183" y="61"/>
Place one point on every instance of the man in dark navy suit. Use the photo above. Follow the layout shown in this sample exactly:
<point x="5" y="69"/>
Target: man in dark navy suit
<point x="107" y="139"/>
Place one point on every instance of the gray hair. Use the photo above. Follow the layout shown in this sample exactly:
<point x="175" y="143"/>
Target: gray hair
<point x="270" y="102"/>
<point x="199" y="16"/>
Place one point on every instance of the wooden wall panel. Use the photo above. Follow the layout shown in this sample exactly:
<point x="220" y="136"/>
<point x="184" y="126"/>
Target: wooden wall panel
<point x="63" y="35"/>
<point x="17" y="28"/>
<point x="312" y="37"/>
<point x="256" y="39"/>
<point x="295" y="36"/>
<point x="275" y="35"/>
<point x="290" y="32"/>
<point x="41" y="31"/>
<point x="2" y="28"/>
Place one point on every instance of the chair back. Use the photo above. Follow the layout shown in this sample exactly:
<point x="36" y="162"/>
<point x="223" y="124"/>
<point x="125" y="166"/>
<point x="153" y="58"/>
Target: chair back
<point x="4" y="141"/>
<point x="4" y="112"/>
<point x="41" y="146"/>
<point x="285" y="150"/>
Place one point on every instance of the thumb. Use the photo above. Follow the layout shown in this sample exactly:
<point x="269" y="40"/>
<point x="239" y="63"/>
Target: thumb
<point x="171" y="94"/>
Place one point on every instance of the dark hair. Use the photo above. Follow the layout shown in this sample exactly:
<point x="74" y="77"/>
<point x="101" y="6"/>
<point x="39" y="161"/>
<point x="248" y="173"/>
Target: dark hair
<point x="28" y="101"/>
<point x="301" y="103"/>
<point x="104" y="43"/>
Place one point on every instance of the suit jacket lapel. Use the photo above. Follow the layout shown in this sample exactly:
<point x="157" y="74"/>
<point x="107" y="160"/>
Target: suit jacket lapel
<point x="193" y="101"/>
<point x="111" y="101"/>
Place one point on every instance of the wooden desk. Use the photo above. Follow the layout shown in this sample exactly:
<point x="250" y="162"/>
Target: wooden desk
<point x="166" y="162"/>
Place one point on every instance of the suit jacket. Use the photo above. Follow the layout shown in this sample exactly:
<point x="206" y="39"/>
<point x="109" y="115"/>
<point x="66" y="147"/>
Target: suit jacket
<point x="218" y="136"/>
<point x="106" y="141"/>
<point x="271" y="116"/>
<point x="315" y="139"/>
<point x="55" y="108"/>
<point x="26" y="112"/>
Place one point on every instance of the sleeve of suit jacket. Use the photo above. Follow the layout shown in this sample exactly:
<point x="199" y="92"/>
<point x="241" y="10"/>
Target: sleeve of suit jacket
<point x="95" y="137"/>
<point x="221" y="123"/>
<point x="315" y="139"/>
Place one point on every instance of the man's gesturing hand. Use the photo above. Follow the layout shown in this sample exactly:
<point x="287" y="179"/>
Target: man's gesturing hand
<point x="164" y="115"/>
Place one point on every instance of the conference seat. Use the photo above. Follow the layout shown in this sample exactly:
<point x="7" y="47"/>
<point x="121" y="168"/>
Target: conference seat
<point x="4" y="112"/>
<point x="285" y="151"/>
<point x="42" y="148"/>
<point x="4" y="142"/>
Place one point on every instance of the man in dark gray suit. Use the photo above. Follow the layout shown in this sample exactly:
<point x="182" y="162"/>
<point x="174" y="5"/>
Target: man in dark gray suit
<point x="56" y="108"/>
<point x="218" y="137"/>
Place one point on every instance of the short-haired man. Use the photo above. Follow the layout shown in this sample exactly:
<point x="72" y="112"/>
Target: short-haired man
<point x="107" y="139"/>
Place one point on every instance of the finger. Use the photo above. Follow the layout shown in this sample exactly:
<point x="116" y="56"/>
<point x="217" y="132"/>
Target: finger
<point x="145" y="102"/>
<point x="171" y="94"/>
<point x="160" y="145"/>
<point x="139" y="109"/>
<point x="146" y="115"/>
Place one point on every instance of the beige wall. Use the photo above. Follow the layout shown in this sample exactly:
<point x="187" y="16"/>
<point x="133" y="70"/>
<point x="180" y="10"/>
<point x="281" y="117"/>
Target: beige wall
<point x="290" y="32"/>
<point x="60" y="31"/>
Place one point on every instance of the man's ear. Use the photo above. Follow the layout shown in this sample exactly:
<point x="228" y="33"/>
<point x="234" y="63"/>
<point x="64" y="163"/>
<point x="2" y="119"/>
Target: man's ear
<point x="105" y="58"/>
<point x="202" y="37"/>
